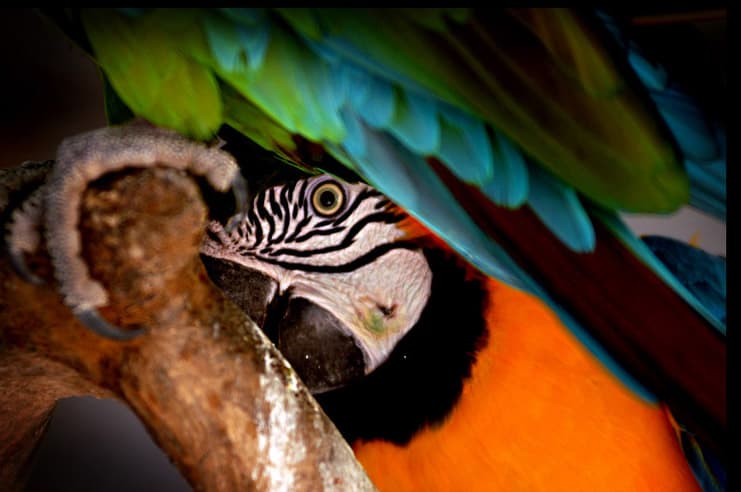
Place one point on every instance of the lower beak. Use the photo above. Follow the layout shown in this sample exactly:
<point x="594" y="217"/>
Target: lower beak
<point x="310" y="337"/>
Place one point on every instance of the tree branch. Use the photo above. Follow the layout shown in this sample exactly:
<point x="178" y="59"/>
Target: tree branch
<point x="212" y="390"/>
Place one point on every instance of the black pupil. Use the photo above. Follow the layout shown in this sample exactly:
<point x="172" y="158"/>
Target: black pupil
<point x="327" y="198"/>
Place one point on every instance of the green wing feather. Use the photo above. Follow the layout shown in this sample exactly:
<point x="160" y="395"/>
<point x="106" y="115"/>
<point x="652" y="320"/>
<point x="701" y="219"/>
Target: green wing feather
<point x="536" y="75"/>
<point x="490" y="95"/>
<point x="539" y="92"/>
<point x="146" y="67"/>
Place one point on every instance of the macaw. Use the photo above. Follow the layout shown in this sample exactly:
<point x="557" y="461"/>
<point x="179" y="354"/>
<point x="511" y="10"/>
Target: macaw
<point x="503" y="143"/>
<point x="442" y="378"/>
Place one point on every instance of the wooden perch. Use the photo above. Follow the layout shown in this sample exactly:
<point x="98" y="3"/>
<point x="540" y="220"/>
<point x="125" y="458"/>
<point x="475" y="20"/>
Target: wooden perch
<point x="210" y="388"/>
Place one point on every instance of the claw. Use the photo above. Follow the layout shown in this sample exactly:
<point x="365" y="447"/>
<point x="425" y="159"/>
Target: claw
<point x="23" y="236"/>
<point x="93" y="320"/>
<point x="84" y="158"/>
<point x="18" y="263"/>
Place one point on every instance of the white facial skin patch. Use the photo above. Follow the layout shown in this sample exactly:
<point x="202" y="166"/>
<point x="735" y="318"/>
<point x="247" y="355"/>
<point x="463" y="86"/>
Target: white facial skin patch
<point x="353" y="263"/>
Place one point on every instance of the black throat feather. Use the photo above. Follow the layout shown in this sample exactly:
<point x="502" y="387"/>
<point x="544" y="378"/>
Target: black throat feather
<point x="421" y="381"/>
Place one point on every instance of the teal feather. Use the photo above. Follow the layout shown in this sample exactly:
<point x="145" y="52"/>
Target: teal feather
<point x="510" y="184"/>
<point x="682" y="115"/>
<point x="704" y="148"/>
<point x="700" y="272"/>
<point x="705" y="276"/>
<point x="464" y="145"/>
<point x="351" y="85"/>
<point x="707" y="469"/>
<point x="702" y="144"/>
<point x="415" y="123"/>
<point x="654" y="77"/>
<point x="383" y="124"/>
<point x="372" y="98"/>
<point x="644" y="253"/>
<point x="708" y="179"/>
<point x="354" y="142"/>
<point x="293" y="84"/>
<point x="336" y="48"/>
<point x="687" y="123"/>
<point x="411" y="183"/>
<point x="559" y="208"/>
<point x="694" y="135"/>
<point x="325" y="52"/>
<point x="684" y="118"/>
<point x="236" y="46"/>
<point x="708" y="192"/>
<point x="382" y="100"/>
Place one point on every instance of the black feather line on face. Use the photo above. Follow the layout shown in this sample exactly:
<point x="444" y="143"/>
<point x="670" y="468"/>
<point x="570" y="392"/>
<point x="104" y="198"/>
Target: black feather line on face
<point x="304" y="222"/>
<point x="264" y="214"/>
<point x="287" y="219"/>
<point x="350" y="266"/>
<point x="423" y="377"/>
<point x="380" y="217"/>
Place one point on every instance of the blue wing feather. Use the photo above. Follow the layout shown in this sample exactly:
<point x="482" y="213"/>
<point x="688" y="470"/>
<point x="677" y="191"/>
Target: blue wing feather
<point x="510" y="184"/>
<point x="706" y="467"/>
<point x="375" y="101"/>
<point x="653" y="77"/>
<point x="704" y="275"/>
<point x="415" y="122"/>
<point x="410" y="182"/>
<point x="237" y="47"/>
<point x="708" y="192"/>
<point x="644" y="253"/>
<point x="700" y="140"/>
<point x="700" y="272"/>
<point x="464" y="145"/>
<point x="558" y="206"/>
<point x="390" y="124"/>
<point x="687" y="122"/>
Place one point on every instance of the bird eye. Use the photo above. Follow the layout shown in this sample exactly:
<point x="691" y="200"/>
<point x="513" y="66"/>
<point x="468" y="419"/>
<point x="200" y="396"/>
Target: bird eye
<point x="327" y="198"/>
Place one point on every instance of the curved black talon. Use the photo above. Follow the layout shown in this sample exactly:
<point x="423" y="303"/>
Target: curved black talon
<point x="93" y="320"/>
<point x="21" y="269"/>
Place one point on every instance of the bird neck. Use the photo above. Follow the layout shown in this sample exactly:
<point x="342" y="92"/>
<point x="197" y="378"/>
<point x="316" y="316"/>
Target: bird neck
<point x="422" y="379"/>
<point x="537" y="412"/>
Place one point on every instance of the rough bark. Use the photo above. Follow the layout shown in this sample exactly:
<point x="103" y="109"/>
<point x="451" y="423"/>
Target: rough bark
<point x="211" y="389"/>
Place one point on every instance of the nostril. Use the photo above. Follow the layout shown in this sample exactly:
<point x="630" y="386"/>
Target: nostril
<point x="387" y="311"/>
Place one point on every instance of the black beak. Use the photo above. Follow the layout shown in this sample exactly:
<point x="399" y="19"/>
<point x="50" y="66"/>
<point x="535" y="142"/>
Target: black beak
<point x="250" y="290"/>
<point x="312" y="340"/>
<point x="309" y="337"/>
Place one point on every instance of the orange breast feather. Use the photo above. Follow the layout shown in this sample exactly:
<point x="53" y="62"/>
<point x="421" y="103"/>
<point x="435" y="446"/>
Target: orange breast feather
<point x="538" y="413"/>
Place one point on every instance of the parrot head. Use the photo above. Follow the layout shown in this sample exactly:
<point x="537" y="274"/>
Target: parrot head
<point x="380" y="319"/>
<point x="330" y="270"/>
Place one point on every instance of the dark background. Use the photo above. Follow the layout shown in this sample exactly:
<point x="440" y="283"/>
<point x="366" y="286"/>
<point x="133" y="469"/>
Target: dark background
<point x="50" y="90"/>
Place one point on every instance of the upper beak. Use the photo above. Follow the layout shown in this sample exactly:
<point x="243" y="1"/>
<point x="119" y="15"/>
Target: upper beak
<point x="250" y="290"/>
<point x="310" y="337"/>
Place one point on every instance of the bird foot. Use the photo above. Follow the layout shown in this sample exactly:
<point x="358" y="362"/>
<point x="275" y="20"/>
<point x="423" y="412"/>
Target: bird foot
<point x="54" y="208"/>
<point x="20" y="211"/>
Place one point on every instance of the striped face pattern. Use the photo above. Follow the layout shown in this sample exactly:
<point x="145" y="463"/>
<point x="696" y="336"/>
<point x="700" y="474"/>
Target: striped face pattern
<point x="338" y="245"/>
